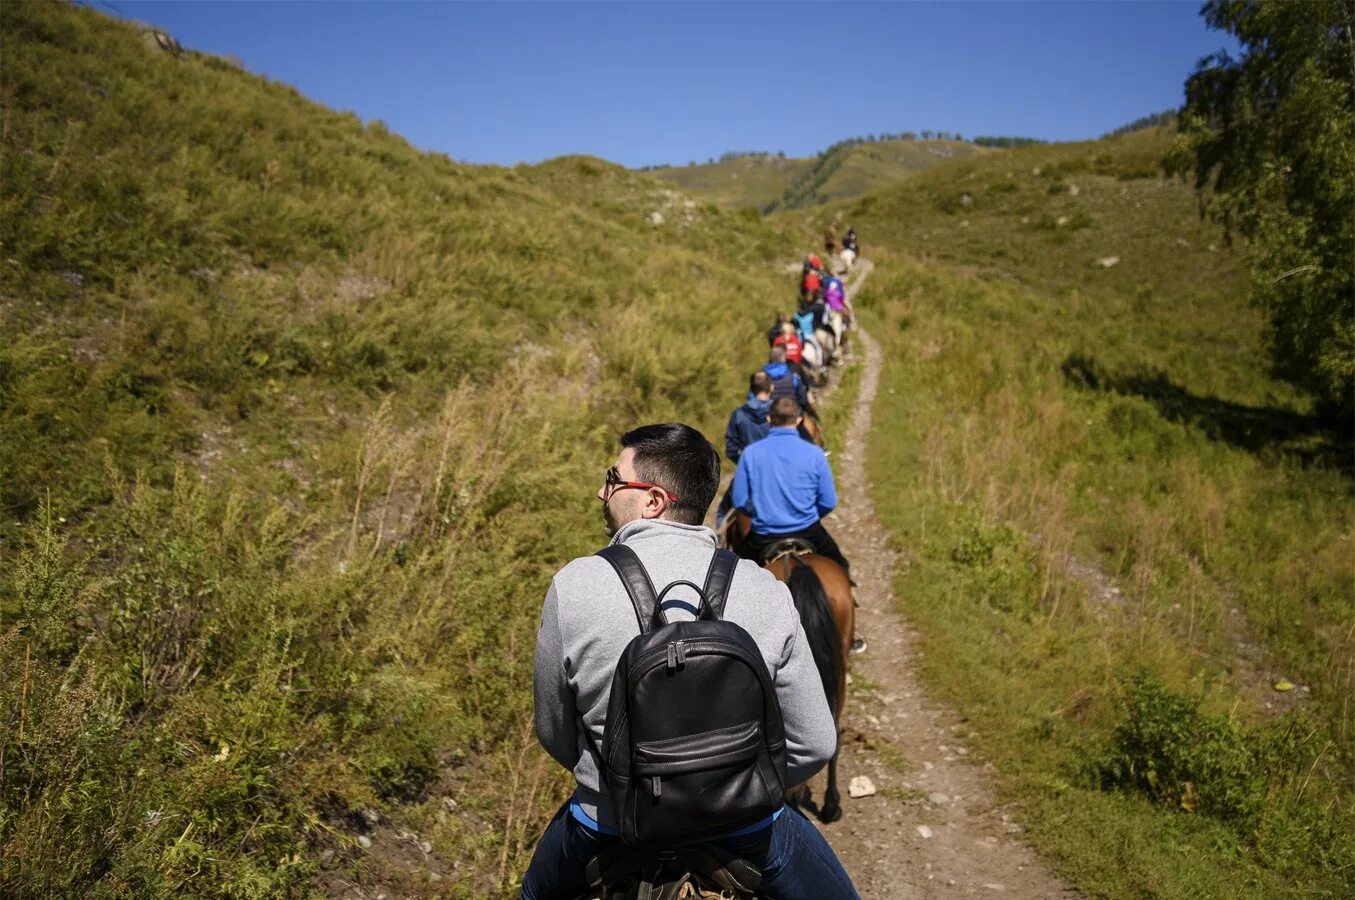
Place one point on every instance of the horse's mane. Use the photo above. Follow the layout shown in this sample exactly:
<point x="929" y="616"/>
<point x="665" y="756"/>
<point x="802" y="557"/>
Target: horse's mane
<point x="812" y="604"/>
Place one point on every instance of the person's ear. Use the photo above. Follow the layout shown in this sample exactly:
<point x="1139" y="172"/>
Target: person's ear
<point x="655" y="504"/>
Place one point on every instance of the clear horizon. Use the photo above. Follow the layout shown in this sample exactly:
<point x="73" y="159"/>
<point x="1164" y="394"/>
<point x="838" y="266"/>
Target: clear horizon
<point x="656" y="83"/>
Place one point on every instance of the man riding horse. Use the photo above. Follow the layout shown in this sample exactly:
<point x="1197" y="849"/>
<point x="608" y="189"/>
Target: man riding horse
<point x="786" y="485"/>
<point x="787" y="489"/>
<point x="654" y="499"/>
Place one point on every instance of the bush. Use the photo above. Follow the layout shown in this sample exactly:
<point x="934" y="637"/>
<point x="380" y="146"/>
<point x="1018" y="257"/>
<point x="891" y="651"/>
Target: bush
<point x="1251" y="779"/>
<point x="1176" y="755"/>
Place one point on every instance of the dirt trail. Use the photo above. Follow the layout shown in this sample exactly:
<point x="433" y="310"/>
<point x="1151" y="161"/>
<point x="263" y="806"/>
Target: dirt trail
<point x="933" y="828"/>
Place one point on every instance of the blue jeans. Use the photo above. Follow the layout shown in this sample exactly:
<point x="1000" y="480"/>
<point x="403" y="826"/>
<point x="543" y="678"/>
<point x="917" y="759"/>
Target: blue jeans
<point x="796" y="862"/>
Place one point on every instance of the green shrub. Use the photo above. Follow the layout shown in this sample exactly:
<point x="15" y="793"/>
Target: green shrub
<point x="1252" y="779"/>
<point x="1176" y="755"/>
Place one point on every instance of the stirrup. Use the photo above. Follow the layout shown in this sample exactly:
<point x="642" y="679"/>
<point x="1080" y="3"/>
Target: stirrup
<point x="725" y="870"/>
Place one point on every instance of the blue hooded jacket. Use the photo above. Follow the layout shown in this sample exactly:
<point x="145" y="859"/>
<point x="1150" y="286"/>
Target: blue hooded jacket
<point x="747" y="424"/>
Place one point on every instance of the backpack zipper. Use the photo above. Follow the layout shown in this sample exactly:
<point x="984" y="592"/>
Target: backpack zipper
<point x="661" y="655"/>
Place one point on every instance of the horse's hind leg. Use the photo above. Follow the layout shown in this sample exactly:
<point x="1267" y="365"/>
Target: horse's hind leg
<point x="799" y="796"/>
<point x="832" y="801"/>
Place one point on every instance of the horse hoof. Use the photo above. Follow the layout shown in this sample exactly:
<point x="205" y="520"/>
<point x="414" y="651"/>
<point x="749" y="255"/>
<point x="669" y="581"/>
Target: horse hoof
<point x="830" y="813"/>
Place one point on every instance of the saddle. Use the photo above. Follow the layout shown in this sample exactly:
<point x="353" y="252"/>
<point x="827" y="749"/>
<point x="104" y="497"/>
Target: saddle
<point x="697" y="871"/>
<point x="791" y="546"/>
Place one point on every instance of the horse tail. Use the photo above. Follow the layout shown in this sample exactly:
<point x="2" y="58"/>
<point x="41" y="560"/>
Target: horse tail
<point x="812" y="604"/>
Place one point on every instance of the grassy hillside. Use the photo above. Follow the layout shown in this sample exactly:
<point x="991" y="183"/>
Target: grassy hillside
<point x="765" y="181"/>
<point x="748" y="181"/>
<point x="873" y="166"/>
<point x="1130" y="553"/>
<point x="295" y="422"/>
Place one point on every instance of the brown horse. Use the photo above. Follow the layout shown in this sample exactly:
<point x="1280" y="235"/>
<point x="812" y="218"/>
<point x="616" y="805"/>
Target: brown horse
<point x="822" y="592"/>
<point x="814" y="430"/>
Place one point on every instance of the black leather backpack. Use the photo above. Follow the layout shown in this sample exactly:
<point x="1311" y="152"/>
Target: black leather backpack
<point x="694" y="746"/>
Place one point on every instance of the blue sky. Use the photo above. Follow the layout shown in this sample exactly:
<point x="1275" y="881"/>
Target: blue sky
<point x="641" y="83"/>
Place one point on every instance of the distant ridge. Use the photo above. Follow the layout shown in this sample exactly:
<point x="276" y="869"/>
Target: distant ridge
<point x="1153" y="120"/>
<point x="847" y="169"/>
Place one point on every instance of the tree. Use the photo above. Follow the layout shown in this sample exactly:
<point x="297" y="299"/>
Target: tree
<point x="1268" y="137"/>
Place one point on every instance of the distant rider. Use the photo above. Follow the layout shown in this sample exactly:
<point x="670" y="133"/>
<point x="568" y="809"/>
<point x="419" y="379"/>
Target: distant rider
<point x="653" y="501"/>
<point x="815" y="306"/>
<point x="849" y="242"/>
<point x="829" y="242"/>
<point x="804" y="323"/>
<point x="835" y="294"/>
<point x="810" y="285"/>
<point x="775" y="331"/>
<point x="785" y="381"/>
<point x="789" y="339"/>
<point x="835" y="297"/>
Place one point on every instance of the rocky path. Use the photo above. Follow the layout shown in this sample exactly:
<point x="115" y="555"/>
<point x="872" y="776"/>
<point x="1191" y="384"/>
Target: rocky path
<point x="932" y="827"/>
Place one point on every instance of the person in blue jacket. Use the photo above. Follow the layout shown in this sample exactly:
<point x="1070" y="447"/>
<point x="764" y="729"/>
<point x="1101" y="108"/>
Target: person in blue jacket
<point x="786" y="485"/>
<point x="747" y="424"/>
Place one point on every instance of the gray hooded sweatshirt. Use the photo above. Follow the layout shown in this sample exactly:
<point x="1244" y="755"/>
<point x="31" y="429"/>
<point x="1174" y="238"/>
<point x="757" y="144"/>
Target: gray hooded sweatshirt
<point x="588" y="620"/>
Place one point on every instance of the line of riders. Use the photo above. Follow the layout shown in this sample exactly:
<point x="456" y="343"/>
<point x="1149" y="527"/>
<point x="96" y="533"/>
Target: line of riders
<point x="693" y="717"/>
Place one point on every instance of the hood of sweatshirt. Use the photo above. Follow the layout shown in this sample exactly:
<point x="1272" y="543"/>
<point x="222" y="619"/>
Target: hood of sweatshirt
<point x="758" y="408"/>
<point x="775" y="370"/>
<point x="663" y="530"/>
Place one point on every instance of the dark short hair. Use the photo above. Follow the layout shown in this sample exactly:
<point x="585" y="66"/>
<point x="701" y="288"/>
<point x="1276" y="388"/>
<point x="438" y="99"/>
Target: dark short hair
<point x="759" y="382"/>
<point x="679" y="458"/>
<point x="785" y="410"/>
<point x="777" y="353"/>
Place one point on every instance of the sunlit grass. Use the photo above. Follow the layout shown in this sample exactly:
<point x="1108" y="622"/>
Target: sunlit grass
<point x="295" y="424"/>
<point x="1068" y="525"/>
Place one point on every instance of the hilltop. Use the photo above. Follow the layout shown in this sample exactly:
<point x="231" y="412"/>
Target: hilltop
<point x="751" y="181"/>
<point x="763" y="181"/>
<point x="295" y="421"/>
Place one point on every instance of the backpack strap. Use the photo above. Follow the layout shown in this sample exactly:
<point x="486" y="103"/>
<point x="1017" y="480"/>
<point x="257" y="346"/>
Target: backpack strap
<point x="637" y="584"/>
<point x="718" y="579"/>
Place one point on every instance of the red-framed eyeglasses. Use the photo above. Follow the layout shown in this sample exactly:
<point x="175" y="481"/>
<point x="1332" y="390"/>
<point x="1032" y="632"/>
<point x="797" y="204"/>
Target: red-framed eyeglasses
<point x="615" y="482"/>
